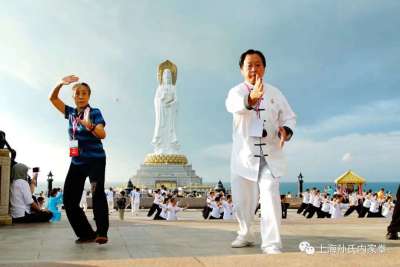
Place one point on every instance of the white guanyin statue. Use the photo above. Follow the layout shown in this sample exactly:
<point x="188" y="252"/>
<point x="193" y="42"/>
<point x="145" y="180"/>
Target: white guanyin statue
<point x="166" y="108"/>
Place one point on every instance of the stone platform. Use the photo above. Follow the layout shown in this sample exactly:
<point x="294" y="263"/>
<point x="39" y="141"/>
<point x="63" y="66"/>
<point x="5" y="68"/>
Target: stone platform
<point x="171" y="175"/>
<point x="192" y="241"/>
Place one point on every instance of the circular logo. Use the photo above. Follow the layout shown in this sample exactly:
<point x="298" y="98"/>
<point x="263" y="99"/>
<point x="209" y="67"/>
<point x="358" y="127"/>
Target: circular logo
<point x="310" y="250"/>
<point x="303" y="245"/>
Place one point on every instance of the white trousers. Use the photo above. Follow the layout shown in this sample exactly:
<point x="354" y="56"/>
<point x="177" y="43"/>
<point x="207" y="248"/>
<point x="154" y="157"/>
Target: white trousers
<point x="135" y="206"/>
<point x="245" y="195"/>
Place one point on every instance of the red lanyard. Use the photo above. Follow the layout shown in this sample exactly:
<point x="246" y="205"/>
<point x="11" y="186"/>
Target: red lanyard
<point x="258" y="101"/>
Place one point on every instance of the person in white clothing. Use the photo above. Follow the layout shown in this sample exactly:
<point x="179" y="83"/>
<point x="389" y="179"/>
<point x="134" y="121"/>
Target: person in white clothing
<point x="306" y="200"/>
<point x="353" y="204"/>
<point x="262" y="122"/>
<point x="110" y="199"/>
<point x="135" y="201"/>
<point x="337" y="206"/>
<point x="216" y="208"/>
<point x="228" y="208"/>
<point x="366" y="205"/>
<point x="373" y="211"/>
<point x="325" y="208"/>
<point x="164" y="209"/>
<point x="387" y="208"/>
<point x="156" y="202"/>
<point x="309" y="206"/>
<point x="172" y="209"/>
<point x="315" y="205"/>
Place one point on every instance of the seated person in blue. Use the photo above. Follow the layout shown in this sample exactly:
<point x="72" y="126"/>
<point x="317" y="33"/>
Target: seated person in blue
<point x="55" y="200"/>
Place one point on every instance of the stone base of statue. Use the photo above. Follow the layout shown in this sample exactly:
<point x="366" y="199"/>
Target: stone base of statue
<point x="171" y="170"/>
<point x="5" y="162"/>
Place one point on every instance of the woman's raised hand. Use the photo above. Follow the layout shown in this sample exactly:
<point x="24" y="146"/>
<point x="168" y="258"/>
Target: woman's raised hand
<point x="69" y="79"/>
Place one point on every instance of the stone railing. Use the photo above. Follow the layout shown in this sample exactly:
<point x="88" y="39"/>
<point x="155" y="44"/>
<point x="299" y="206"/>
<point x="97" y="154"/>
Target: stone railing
<point x="294" y="202"/>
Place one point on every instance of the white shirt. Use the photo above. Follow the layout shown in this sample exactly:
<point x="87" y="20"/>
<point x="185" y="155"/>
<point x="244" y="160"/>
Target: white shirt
<point x="277" y="113"/>
<point x="158" y="199"/>
<point x="353" y="201"/>
<point x="374" y="208"/>
<point x="325" y="206"/>
<point x="316" y="201"/>
<point x="216" y="210"/>
<point x="20" y="198"/>
<point x="387" y="209"/>
<point x="163" y="213"/>
<point x="367" y="202"/>
<point x="306" y="197"/>
<point x="228" y="210"/>
<point x="336" y="211"/>
<point x="171" y="212"/>
<point x="311" y="198"/>
<point x="135" y="196"/>
<point x="110" y="195"/>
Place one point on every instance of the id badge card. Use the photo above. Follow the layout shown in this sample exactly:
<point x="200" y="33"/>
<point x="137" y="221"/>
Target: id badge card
<point x="73" y="148"/>
<point x="256" y="127"/>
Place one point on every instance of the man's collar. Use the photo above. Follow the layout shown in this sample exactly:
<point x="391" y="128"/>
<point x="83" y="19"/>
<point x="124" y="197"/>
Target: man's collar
<point x="249" y="85"/>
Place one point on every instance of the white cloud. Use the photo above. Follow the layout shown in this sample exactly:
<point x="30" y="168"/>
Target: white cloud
<point x="374" y="156"/>
<point x="384" y="112"/>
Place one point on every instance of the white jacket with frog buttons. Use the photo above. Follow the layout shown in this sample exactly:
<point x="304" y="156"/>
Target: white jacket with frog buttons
<point x="274" y="112"/>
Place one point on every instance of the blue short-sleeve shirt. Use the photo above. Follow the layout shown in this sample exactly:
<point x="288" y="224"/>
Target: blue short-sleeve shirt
<point x="90" y="147"/>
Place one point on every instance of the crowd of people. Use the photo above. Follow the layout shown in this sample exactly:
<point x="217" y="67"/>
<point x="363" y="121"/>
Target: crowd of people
<point x="342" y="204"/>
<point x="219" y="206"/>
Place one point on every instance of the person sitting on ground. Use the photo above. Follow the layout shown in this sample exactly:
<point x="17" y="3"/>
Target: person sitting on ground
<point x="40" y="203"/>
<point x="387" y="207"/>
<point x="22" y="207"/>
<point x="228" y="208"/>
<point x="164" y="208"/>
<point x="172" y="209"/>
<point x="373" y="211"/>
<point x="217" y="209"/>
<point x="337" y="206"/>
<point x="207" y="209"/>
<point x="55" y="200"/>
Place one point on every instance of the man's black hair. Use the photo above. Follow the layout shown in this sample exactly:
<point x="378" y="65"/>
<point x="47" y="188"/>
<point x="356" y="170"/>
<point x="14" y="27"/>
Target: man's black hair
<point x="251" y="52"/>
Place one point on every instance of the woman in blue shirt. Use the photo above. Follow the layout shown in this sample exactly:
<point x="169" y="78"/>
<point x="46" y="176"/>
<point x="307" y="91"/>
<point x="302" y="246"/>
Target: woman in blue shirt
<point x="88" y="159"/>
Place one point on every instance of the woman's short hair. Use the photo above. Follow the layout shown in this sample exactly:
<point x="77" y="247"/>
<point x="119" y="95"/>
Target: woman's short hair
<point x="251" y="52"/>
<point x="82" y="84"/>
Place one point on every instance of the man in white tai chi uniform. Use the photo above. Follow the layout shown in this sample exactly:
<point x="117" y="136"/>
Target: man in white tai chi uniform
<point x="262" y="122"/>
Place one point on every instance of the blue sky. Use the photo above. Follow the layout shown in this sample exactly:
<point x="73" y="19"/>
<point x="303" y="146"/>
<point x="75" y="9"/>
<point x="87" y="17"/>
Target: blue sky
<point x="337" y="62"/>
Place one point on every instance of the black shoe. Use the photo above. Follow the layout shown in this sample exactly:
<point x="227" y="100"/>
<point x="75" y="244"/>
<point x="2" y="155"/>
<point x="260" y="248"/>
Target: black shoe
<point x="85" y="240"/>
<point x="392" y="236"/>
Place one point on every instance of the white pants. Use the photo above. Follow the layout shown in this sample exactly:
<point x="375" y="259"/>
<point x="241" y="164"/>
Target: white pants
<point x="110" y="203"/>
<point x="245" y="195"/>
<point x="135" y="206"/>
